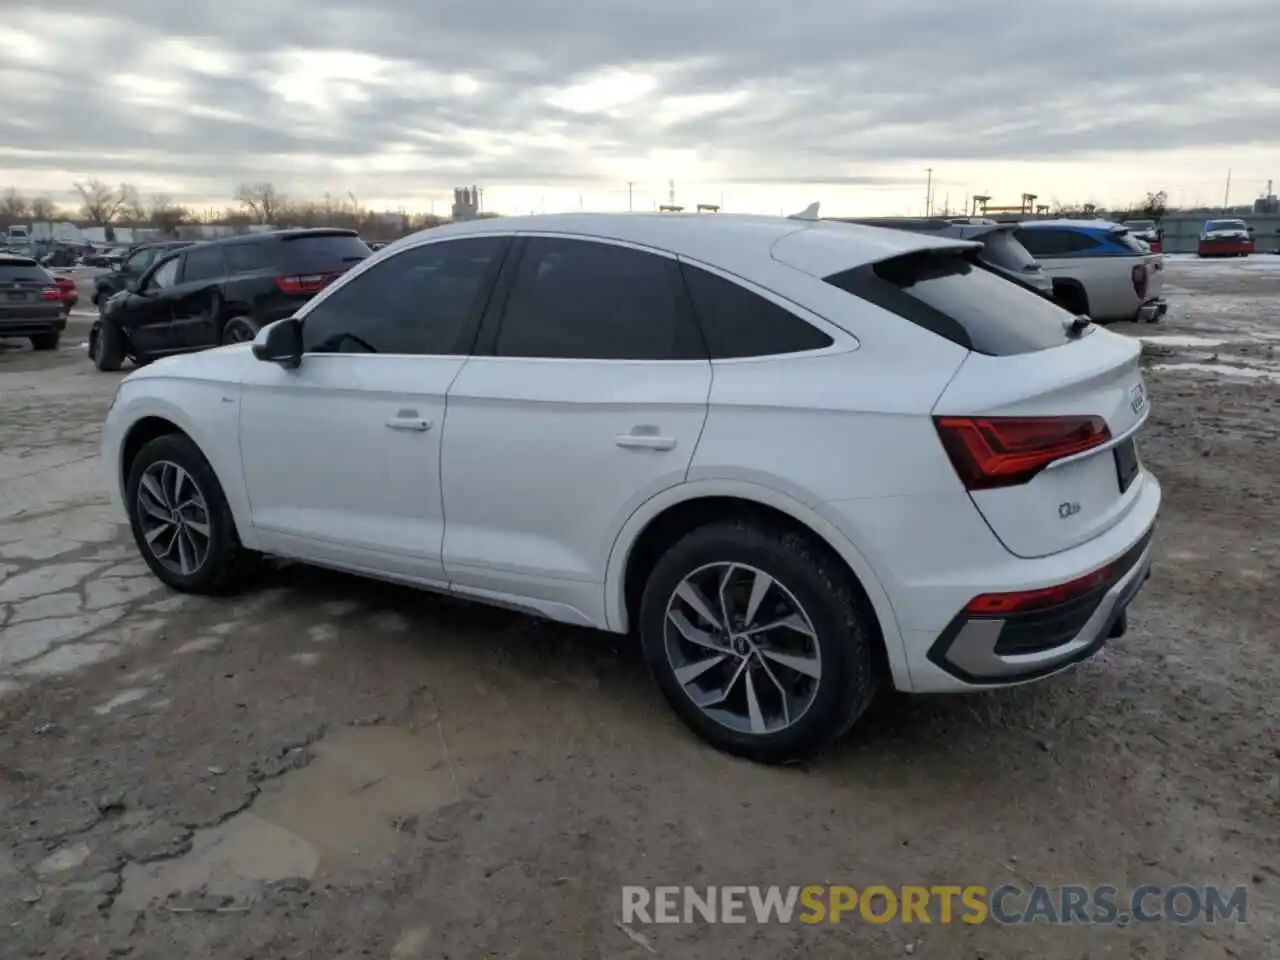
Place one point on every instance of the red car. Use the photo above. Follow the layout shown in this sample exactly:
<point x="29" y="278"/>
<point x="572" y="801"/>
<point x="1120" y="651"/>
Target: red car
<point x="67" y="291"/>
<point x="1225" y="238"/>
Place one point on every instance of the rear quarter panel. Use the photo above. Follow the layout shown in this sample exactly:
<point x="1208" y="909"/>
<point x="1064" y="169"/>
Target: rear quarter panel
<point x="1108" y="281"/>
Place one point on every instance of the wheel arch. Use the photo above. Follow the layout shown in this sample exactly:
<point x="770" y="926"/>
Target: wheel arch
<point x="661" y="520"/>
<point x="159" y="419"/>
<point x="1071" y="287"/>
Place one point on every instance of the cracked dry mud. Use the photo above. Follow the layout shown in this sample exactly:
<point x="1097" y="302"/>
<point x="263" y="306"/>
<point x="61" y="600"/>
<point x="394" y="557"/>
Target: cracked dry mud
<point x="323" y="767"/>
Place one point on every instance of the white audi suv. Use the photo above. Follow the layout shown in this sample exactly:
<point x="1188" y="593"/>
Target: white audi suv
<point x="795" y="458"/>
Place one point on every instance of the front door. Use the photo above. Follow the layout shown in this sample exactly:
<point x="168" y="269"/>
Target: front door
<point x="148" y="314"/>
<point x="342" y="455"/>
<point x="590" y="400"/>
<point x="196" y="296"/>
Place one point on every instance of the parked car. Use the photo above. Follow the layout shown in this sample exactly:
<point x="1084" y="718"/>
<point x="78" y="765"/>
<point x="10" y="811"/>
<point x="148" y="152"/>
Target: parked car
<point x="67" y="291"/>
<point x="1001" y="250"/>
<point x="129" y="269"/>
<point x="1225" y="238"/>
<point x="1149" y="232"/>
<point x="31" y="305"/>
<point x="223" y="291"/>
<point x="797" y="459"/>
<point x="1098" y="268"/>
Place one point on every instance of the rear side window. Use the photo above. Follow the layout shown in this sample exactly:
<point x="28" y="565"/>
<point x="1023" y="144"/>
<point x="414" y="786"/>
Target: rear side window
<point x="945" y="292"/>
<point x="203" y="263"/>
<point x="323" y="253"/>
<point x="1049" y="242"/>
<point x="11" y="272"/>
<point x="582" y="300"/>
<point x="738" y="323"/>
<point x="246" y="257"/>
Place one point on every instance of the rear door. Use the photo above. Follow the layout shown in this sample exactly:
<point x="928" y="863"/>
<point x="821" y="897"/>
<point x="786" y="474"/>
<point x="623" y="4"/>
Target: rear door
<point x="586" y="400"/>
<point x="1028" y="378"/>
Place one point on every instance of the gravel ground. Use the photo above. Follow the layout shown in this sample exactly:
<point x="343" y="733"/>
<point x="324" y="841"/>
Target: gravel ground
<point x="326" y="767"/>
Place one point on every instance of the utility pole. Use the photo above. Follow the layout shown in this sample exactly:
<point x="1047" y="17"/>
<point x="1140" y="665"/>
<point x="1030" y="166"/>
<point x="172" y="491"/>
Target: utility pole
<point x="928" y="192"/>
<point x="630" y="184"/>
<point x="1226" y="197"/>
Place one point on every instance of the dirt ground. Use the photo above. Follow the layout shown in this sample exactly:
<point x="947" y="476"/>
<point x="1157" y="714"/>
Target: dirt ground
<point x="323" y="767"/>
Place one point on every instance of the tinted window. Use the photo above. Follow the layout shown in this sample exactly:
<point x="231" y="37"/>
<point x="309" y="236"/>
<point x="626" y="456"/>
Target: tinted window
<point x="1048" y="242"/>
<point x="203" y="263"/>
<point x="420" y="301"/>
<point x="165" y="276"/>
<point x="246" y="257"/>
<point x="138" y="262"/>
<point x="11" y="271"/>
<point x="738" y="323"/>
<point x="323" y="253"/>
<point x="583" y="300"/>
<point x="1225" y="225"/>
<point x="944" y="292"/>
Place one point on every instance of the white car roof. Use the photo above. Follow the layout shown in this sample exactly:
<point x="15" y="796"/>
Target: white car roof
<point x="733" y="242"/>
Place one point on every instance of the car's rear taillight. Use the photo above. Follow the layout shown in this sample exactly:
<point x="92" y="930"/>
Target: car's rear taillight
<point x="1140" y="281"/>
<point x="50" y="293"/>
<point x="989" y="452"/>
<point x="305" y="283"/>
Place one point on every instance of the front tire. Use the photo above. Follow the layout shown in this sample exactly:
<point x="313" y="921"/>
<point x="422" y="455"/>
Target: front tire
<point x="106" y="346"/>
<point x="180" y="519"/>
<point x="778" y="669"/>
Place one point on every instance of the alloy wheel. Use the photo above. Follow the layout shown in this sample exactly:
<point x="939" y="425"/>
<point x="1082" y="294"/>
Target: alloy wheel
<point x="174" y="517"/>
<point x="742" y="648"/>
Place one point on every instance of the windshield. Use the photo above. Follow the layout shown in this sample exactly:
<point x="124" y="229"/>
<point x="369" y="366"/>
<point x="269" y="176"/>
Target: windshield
<point x="1225" y="225"/>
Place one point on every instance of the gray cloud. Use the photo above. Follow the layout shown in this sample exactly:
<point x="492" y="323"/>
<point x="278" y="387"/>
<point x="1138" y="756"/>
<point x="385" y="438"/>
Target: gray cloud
<point x="416" y="95"/>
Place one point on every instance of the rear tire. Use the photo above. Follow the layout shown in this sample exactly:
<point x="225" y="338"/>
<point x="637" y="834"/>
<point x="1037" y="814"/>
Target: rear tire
<point x="171" y="478"/>
<point x="823" y="659"/>
<point x="45" y="341"/>
<point x="106" y="346"/>
<point x="239" y="330"/>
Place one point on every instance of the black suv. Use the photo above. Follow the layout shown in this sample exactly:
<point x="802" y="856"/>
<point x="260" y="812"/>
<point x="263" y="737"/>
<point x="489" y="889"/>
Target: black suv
<point x="219" y="292"/>
<point x="30" y="302"/>
<point x="136" y="262"/>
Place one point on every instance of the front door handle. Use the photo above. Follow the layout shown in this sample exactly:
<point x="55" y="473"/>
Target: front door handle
<point x="408" y="421"/>
<point x="645" y="441"/>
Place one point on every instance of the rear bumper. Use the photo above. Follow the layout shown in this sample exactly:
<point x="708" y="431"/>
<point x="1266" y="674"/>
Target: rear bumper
<point x="33" y="326"/>
<point x="1224" y="248"/>
<point x="1152" y="310"/>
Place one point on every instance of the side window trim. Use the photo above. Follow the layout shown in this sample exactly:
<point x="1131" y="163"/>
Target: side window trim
<point x="471" y="329"/>
<point x="842" y="341"/>
<point x="491" y="326"/>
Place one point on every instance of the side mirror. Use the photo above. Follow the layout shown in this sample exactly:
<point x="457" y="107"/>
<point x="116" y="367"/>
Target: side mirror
<point x="281" y="343"/>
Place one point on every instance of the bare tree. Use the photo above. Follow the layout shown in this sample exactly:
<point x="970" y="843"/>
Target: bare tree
<point x="1155" y="204"/>
<point x="261" y="201"/>
<point x="98" y="202"/>
<point x="13" y="204"/>
<point x="162" y="212"/>
<point x="131" y="208"/>
<point x="42" y="208"/>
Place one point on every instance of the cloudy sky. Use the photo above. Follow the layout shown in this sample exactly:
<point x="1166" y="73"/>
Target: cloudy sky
<point x="552" y="104"/>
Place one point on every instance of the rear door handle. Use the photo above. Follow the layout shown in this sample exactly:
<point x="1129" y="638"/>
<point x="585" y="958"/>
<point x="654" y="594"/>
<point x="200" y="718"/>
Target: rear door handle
<point x="409" y="422"/>
<point x="645" y="441"/>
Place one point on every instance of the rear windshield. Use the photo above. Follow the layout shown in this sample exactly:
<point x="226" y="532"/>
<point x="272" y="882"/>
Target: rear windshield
<point x="947" y="292"/>
<point x="11" y="272"/>
<point x="1001" y="247"/>
<point x="325" y="253"/>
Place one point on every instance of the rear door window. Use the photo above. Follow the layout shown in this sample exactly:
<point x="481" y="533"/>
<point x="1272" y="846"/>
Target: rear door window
<point x="246" y="257"/>
<point x="321" y="253"/>
<point x="943" y="291"/>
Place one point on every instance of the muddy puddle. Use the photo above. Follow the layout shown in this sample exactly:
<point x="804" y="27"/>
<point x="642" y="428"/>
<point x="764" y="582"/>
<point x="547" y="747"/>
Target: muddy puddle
<point x="349" y="808"/>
